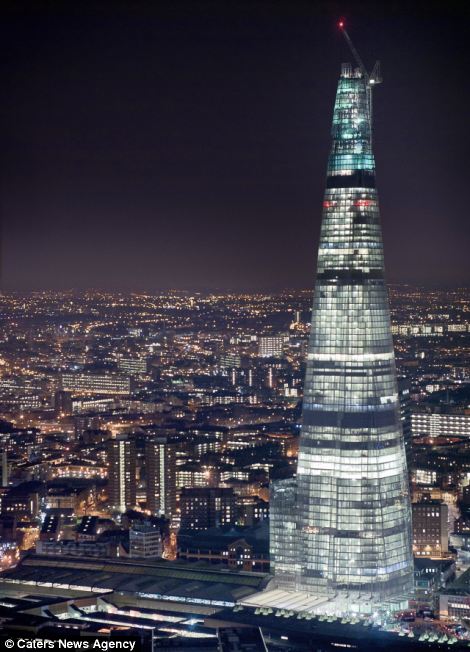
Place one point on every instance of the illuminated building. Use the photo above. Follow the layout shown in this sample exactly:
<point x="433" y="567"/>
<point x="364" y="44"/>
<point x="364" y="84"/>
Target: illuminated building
<point x="194" y="475"/>
<point x="270" y="347"/>
<point x="23" y="401"/>
<point x="90" y="383"/>
<point x="133" y="366"/>
<point x="430" y="576"/>
<point x="161" y="476"/>
<point x="81" y="406"/>
<point x="87" y="471"/>
<point x="122" y="473"/>
<point x="230" y="360"/>
<point x="251" y="510"/>
<point x="430" y="528"/>
<point x="344" y="523"/>
<point x="145" y="541"/>
<point x="425" y="476"/>
<point x="203" y="508"/>
<point x="440" y="425"/>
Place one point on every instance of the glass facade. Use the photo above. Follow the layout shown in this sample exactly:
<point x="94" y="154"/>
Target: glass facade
<point x="345" y="523"/>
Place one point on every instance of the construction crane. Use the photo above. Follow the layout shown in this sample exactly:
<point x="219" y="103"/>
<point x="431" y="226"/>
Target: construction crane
<point x="371" y="79"/>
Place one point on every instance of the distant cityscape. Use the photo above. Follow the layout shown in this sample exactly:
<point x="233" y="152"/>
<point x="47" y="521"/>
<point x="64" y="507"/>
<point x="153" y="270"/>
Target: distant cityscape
<point x="142" y="427"/>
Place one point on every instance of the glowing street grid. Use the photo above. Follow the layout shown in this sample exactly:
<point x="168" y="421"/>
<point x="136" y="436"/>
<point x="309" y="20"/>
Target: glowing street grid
<point x="343" y="525"/>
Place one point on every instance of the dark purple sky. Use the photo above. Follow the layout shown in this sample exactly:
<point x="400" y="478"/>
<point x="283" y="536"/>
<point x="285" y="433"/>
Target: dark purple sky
<point x="184" y="144"/>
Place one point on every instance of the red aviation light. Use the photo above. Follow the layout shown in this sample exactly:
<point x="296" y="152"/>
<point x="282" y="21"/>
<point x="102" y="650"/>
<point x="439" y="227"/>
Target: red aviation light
<point x="363" y="202"/>
<point x="341" y="24"/>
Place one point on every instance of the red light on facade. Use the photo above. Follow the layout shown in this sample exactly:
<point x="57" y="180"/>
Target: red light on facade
<point x="341" y="24"/>
<point x="363" y="202"/>
<point x="328" y="204"/>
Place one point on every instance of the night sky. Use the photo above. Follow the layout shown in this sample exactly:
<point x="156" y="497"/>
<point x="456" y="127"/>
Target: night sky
<point x="183" y="145"/>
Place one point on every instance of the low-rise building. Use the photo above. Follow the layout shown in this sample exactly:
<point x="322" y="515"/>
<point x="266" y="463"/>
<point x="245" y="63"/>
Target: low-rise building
<point x="238" y="548"/>
<point x="206" y="507"/>
<point x="145" y="541"/>
<point x="430" y="576"/>
<point x="454" y="601"/>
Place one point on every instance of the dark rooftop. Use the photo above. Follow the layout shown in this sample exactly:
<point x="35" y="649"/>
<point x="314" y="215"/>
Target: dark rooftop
<point x="176" y="581"/>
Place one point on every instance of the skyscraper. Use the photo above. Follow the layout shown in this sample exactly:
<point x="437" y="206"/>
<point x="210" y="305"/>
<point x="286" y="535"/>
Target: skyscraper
<point x="344" y="523"/>
<point x="161" y="476"/>
<point x="122" y="473"/>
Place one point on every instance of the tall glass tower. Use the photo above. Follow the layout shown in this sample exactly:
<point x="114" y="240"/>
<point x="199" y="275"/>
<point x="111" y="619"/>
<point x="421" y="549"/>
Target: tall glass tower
<point x="343" y="524"/>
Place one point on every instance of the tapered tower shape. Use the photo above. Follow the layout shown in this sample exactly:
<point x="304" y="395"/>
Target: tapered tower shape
<point x="344" y="523"/>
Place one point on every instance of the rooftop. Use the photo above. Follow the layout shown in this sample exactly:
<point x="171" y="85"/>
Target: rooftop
<point x="461" y="586"/>
<point x="159" y="579"/>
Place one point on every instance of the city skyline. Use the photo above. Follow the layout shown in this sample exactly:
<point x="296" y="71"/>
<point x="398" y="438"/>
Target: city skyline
<point x="120" y="125"/>
<point x="225" y="413"/>
<point x="219" y="380"/>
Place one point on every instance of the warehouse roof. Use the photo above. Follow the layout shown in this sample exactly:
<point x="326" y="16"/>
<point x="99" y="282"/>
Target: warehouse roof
<point x="163" y="580"/>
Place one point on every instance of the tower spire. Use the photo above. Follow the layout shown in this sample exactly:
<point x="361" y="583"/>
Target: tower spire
<point x="373" y="78"/>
